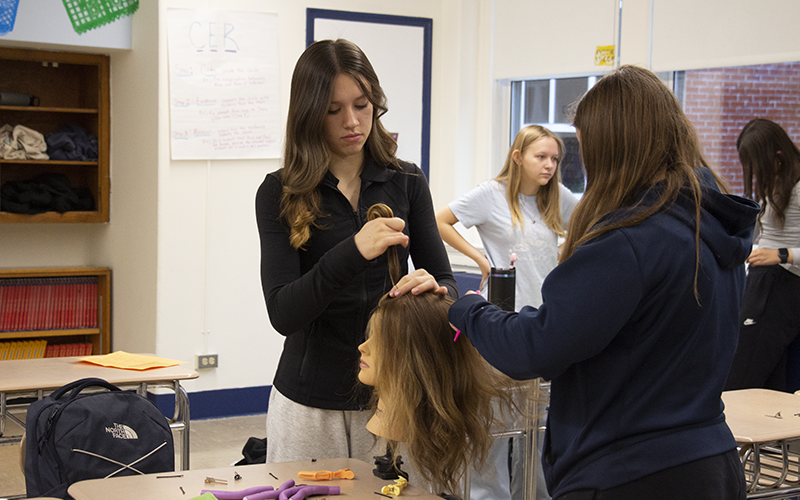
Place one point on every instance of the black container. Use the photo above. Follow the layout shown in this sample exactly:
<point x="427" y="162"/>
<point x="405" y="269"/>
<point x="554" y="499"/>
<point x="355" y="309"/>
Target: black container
<point x="502" y="286"/>
<point x="18" y="99"/>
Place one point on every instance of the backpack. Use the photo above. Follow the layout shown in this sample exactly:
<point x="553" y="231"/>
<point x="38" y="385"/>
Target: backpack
<point x="72" y="436"/>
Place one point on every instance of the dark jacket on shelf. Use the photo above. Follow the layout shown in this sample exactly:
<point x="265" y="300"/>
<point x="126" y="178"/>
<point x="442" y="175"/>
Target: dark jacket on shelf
<point x="45" y="193"/>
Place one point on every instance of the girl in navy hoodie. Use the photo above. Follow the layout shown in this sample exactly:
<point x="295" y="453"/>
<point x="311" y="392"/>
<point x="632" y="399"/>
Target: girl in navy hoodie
<point x="639" y="321"/>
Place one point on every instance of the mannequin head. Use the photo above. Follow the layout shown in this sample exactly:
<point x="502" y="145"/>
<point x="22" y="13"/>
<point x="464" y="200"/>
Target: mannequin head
<point x="431" y="393"/>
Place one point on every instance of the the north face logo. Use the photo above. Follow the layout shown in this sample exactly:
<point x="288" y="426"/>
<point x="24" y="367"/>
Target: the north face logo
<point x="122" y="431"/>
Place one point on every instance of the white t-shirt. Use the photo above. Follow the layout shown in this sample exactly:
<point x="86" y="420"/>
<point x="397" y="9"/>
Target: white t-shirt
<point x="536" y="245"/>
<point x="772" y="236"/>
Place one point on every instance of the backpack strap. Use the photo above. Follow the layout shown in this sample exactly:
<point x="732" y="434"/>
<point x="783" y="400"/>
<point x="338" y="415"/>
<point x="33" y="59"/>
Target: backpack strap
<point x="71" y="390"/>
<point x="75" y="388"/>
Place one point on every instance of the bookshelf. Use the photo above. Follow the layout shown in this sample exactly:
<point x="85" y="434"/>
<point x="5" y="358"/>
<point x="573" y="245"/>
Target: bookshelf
<point x="32" y="321"/>
<point x="71" y="88"/>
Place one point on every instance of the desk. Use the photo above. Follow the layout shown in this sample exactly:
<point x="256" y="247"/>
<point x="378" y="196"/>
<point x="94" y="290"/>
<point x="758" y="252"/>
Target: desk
<point x="763" y="423"/>
<point x="35" y="377"/>
<point x="363" y="486"/>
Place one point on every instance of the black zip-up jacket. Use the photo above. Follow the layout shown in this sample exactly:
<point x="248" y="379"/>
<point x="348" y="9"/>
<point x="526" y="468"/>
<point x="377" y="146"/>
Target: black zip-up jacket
<point x="321" y="297"/>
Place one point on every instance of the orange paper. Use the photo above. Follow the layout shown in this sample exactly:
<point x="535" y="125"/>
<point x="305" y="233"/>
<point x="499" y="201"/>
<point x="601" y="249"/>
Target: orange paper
<point x="127" y="361"/>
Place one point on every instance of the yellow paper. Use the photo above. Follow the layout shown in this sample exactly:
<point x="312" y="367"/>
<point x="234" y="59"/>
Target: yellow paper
<point x="127" y="361"/>
<point x="604" y="56"/>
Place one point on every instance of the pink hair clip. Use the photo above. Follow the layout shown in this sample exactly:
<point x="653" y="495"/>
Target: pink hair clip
<point x="458" y="332"/>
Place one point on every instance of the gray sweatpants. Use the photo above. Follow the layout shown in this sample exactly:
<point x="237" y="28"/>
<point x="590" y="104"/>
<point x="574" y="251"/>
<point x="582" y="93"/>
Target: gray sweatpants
<point x="298" y="432"/>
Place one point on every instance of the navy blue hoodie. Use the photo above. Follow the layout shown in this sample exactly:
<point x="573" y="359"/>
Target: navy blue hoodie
<point x="637" y="365"/>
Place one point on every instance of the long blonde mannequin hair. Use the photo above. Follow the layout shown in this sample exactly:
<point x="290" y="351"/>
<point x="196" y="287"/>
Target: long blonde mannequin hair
<point x="548" y="197"/>
<point x="441" y="396"/>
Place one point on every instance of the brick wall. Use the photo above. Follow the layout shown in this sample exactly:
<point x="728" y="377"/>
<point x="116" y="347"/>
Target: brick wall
<point x="719" y="102"/>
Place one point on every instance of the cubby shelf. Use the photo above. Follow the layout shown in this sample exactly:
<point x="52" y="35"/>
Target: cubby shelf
<point x="99" y="337"/>
<point x="71" y="88"/>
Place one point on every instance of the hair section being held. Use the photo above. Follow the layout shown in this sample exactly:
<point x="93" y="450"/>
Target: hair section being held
<point x="438" y="396"/>
<point x="381" y="210"/>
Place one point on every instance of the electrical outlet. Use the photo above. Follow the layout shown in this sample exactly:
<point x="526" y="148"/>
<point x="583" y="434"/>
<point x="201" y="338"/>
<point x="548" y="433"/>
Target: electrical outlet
<point x="207" y="361"/>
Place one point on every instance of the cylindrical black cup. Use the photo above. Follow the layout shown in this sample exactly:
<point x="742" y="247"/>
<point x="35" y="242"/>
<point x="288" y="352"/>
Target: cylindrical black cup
<point x="18" y="99"/>
<point x="502" y="286"/>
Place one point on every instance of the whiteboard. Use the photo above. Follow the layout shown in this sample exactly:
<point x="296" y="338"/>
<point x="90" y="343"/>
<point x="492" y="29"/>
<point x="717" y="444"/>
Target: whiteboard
<point x="223" y="84"/>
<point x="399" y="49"/>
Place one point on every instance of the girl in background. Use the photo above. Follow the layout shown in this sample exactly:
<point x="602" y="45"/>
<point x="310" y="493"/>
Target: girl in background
<point x="523" y="211"/>
<point x="770" y="317"/>
<point x="323" y="264"/>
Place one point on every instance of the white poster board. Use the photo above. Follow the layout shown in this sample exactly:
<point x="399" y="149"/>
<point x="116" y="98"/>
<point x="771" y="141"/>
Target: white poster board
<point x="223" y="84"/>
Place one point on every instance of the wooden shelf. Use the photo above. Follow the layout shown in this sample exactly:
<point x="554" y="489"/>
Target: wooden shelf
<point x="49" y="162"/>
<point x="99" y="337"/>
<point x="73" y="88"/>
<point x="37" y="334"/>
<point x="39" y="109"/>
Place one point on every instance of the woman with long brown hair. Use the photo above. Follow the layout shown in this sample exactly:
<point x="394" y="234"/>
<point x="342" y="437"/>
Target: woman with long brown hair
<point x="519" y="214"/>
<point x="770" y="317"/>
<point x="639" y="320"/>
<point x="323" y="263"/>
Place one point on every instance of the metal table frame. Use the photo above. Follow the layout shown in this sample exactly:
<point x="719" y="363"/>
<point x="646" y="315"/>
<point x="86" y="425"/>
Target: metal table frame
<point x="36" y="378"/>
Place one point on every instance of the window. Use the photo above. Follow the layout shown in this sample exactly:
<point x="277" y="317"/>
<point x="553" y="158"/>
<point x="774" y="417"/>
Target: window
<point x="718" y="102"/>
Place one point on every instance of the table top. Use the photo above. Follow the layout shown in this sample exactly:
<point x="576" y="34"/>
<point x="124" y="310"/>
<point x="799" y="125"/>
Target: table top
<point x="168" y="485"/>
<point x="27" y="375"/>
<point x="751" y="415"/>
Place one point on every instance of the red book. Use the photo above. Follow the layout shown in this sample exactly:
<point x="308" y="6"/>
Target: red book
<point x="47" y="307"/>
<point x="33" y="305"/>
<point x="80" y="320"/>
<point x="4" y="296"/>
<point x="22" y="319"/>
<point x="93" y="304"/>
<point x="58" y="305"/>
<point x="17" y="307"/>
<point x="72" y="296"/>
<point x="10" y="306"/>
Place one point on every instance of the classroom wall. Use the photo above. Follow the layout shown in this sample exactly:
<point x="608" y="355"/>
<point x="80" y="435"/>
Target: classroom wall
<point x="209" y="297"/>
<point x="182" y="240"/>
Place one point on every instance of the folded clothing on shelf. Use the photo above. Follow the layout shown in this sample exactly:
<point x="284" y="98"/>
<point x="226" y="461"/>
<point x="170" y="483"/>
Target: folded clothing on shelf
<point x="22" y="143"/>
<point x="72" y="142"/>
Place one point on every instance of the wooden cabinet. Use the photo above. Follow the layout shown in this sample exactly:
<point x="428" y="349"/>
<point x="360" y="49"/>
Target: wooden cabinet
<point x="71" y="88"/>
<point x="19" y="295"/>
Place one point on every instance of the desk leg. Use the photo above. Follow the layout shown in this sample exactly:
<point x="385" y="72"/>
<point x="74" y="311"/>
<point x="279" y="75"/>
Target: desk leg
<point x="182" y="407"/>
<point x="532" y="406"/>
<point x="2" y="413"/>
<point x="756" y="467"/>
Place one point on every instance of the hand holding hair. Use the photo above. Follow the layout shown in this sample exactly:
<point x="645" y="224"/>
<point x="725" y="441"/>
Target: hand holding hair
<point x="379" y="234"/>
